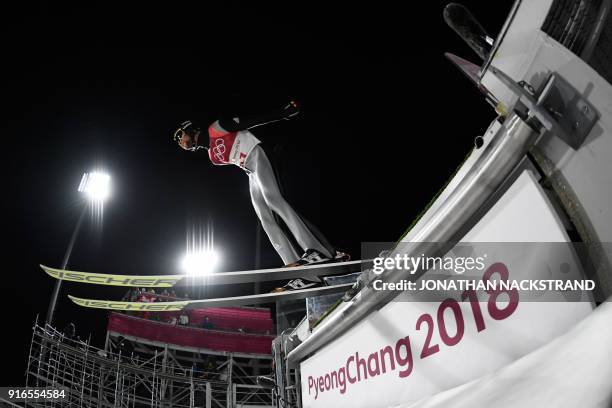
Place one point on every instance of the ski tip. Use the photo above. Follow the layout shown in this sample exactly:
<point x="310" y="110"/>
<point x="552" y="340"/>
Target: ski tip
<point x="53" y="272"/>
<point x="84" y="302"/>
<point x="75" y="299"/>
<point x="48" y="270"/>
<point x="80" y="301"/>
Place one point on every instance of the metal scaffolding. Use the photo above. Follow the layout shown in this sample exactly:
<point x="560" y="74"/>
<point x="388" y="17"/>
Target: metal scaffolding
<point x="130" y="374"/>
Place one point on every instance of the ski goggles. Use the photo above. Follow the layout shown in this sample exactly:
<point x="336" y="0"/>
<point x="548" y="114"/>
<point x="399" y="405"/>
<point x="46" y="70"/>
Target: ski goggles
<point x="182" y="130"/>
<point x="188" y="127"/>
<point x="178" y="135"/>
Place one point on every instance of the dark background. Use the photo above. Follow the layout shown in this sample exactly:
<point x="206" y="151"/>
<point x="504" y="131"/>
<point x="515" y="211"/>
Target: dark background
<point x="385" y="120"/>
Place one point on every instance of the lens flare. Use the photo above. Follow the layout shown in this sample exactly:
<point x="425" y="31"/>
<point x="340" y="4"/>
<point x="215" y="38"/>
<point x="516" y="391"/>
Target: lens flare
<point x="201" y="258"/>
<point x="200" y="263"/>
<point x="96" y="185"/>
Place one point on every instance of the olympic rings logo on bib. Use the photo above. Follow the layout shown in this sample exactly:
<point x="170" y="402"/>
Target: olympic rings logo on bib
<point x="219" y="150"/>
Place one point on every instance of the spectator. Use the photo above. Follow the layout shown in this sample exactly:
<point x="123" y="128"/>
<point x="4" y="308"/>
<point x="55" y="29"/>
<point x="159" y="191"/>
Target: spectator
<point x="165" y="296"/>
<point x="134" y="293"/>
<point x="210" y="365"/>
<point x="152" y="295"/>
<point x="209" y="368"/>
<point x="132" y="296"/>
<point x="223" y="375"/>
<point x="207" y="324"/>
<point x="142" y="297"/>
<point x="184" y="319"/>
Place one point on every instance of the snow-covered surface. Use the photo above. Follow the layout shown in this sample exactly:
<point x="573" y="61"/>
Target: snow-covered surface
<point x="574" y="370"/>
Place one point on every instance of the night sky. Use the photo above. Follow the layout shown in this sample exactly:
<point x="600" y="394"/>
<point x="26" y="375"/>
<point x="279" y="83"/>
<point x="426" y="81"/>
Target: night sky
<point x="385" y="120"/>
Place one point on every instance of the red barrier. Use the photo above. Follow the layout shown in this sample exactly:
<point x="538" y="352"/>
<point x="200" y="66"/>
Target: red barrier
<point x="189" y="336"/>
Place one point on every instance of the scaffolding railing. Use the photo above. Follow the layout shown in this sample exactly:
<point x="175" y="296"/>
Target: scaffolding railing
<point x="94" y="377"/>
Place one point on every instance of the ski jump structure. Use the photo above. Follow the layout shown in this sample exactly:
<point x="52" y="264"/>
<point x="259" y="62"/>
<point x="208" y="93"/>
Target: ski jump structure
<point x="540" y="172"/>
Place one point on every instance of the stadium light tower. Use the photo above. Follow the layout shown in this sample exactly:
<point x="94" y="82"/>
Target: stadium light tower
<point x="96" y="186"/>
<point x="200" y="263"/>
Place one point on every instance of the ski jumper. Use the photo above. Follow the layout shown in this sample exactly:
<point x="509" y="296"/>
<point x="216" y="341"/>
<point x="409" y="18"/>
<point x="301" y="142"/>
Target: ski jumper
<point x="232" y="143"/>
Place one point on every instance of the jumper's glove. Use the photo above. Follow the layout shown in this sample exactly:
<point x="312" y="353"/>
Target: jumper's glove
<point x="291" y="110"/>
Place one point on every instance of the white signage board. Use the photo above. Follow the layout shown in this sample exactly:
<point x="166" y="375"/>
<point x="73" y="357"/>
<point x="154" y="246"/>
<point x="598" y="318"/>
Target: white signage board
<point x="408" y="350"/>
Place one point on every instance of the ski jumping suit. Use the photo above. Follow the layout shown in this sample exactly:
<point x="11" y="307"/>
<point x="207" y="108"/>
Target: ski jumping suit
<point x="232" y="143"/>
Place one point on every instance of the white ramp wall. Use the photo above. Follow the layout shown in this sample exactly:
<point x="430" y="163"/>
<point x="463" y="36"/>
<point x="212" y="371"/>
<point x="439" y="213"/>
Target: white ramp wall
<point x="369" y="366"/>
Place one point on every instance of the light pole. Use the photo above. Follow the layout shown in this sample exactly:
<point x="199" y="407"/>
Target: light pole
<point x="95" y="186"/>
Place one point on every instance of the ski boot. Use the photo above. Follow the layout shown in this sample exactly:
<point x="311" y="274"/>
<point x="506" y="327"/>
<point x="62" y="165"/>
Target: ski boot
<point x="296" y="284"/>
<point x="310" y="257"/>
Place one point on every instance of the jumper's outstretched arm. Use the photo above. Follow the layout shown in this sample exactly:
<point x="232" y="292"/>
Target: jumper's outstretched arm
<point x="252" y="121"/>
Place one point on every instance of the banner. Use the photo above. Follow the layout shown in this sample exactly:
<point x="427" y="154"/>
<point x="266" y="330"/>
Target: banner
<point x="190" y="336"/>
<point x="410" y="349"/>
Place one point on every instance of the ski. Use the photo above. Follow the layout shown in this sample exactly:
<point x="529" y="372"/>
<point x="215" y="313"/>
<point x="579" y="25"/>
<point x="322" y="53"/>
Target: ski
<point x="312" y="272"/>
<point x="213" y="302"/>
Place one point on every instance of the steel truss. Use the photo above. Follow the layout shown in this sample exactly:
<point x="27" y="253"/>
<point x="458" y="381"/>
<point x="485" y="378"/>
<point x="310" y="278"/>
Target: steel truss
<point x="128" y="373"/>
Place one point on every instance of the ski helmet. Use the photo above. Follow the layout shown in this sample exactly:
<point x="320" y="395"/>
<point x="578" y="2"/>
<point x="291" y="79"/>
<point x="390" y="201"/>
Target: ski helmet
<point x="187" y="127"/>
